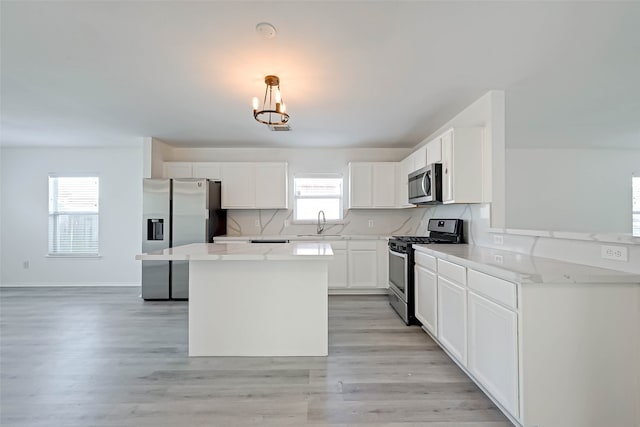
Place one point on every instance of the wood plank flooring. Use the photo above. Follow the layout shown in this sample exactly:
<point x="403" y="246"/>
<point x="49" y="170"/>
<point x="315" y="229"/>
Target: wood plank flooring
<point x="103" y="357"/>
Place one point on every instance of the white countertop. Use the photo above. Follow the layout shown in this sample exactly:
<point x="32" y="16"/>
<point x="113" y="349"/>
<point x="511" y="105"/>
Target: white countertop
<point x="299" y="237"/>
<point x="522" y="268"/>
<point x="263" y="251"/>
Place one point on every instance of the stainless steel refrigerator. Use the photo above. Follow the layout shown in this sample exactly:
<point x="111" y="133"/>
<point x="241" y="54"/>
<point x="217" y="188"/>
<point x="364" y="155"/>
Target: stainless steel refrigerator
<point x="177" y="212"/>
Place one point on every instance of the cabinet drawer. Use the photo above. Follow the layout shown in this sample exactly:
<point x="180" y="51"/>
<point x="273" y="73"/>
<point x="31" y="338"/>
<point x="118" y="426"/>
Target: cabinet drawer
<point x="426" y="261"/>
<point x="455" y="272"/>
<point x="337" y="244"/>
<point x="497" y="289"/>
<point x="363" y="245"/>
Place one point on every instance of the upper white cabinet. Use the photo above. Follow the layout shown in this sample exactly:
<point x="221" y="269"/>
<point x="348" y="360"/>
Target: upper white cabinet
<point x="417" y="159"/>
<point x="372" y="185"/>
<point x="404" y="169"/>
<point x="254" y="185"/>
<point x="462" y="165"/>
<point x="434" y="151"/>
<point x="177" y="170"/>
<point x="208" y="170"/>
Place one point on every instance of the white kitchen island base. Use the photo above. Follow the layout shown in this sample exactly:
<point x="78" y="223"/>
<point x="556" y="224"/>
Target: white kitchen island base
<point x="258" y="308"/>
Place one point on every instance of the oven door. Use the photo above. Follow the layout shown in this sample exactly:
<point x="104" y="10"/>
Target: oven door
<point x="398" y="274"/>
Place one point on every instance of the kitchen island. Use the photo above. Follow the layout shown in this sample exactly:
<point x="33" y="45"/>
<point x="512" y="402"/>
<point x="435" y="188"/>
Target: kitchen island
<point x="255" y="299"/>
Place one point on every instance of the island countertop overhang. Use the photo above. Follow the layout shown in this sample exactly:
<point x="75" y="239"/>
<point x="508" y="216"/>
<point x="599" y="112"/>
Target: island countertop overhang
<point x="306" y="251"/>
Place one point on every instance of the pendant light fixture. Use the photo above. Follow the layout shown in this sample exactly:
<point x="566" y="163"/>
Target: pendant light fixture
<point x="273" y="111"/>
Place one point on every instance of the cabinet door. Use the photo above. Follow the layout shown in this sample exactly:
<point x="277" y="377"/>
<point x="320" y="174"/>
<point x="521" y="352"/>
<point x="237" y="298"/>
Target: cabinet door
<point x="360" y="184"/>
<point x="384" y="185"/>
<point x="426" y="290"/>
<point x="238" y="186"/>
<point x="420" y="158"/>
<point x="493" y="349"/>
<point x="208" y="170"/>
<point x="177" y="170"/>
<point x="447" y="167"/>
<point x="434" y="151"/>
<point x="338" y="269"/>
<point x="271" y="185"/>
<point x="452" y="309"/>
<point x="362" y="266"/>
<point x="403" y="184"/>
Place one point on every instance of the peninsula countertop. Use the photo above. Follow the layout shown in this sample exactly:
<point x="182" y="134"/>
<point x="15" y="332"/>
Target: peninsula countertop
<point x="523" y="268"/>
<point x="247" y="252"/>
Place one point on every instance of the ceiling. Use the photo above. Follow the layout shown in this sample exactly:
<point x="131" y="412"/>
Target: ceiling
<point x="353" y="74"/>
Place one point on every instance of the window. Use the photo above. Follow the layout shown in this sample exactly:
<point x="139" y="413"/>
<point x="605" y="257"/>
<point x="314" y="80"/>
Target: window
<point x="635" y="197"/>
<point x="315" y="193"/>
<point x="73" y="215"/>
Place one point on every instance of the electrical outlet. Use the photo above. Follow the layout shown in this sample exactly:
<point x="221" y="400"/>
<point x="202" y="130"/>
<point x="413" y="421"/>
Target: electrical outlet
<point x="257" y="223"/>
<point x="498" y="239"/>
<point x="286" y="223"/>
<point x="25" y="264"/>
<point x="498" y="259"/>
<point x="370" y="223"/>
<point x="616" y="253"/>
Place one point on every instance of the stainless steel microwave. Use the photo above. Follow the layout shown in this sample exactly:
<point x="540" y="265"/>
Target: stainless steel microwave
<point x="425" y="185"/>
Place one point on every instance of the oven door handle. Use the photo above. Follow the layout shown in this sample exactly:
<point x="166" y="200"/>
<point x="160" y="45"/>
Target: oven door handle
<point x="398" y="254"/>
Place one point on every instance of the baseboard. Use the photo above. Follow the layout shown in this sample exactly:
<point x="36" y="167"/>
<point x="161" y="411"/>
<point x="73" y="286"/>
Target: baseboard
<point x="66" y="284"/>
<point x="358" y="291"/>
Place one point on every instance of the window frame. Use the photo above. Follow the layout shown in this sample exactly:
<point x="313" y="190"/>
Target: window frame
<point x="339" y="176"/>
<point x="95" y="254"/>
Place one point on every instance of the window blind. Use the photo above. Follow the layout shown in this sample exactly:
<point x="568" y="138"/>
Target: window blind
<point x="313" y="194"/>
<point x="73" y="215"/>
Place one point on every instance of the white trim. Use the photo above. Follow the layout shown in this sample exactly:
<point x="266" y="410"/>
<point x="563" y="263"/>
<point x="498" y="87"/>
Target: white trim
<point x="66" y="284"/>
<point x="361" y="291"/>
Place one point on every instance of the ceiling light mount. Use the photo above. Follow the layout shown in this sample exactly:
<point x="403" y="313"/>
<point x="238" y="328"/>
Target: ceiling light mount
<point x="273" y="110"/>
<point x="266" y="30"/>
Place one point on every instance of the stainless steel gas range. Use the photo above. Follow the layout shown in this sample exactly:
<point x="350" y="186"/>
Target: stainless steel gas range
<point x="401" y="262"/>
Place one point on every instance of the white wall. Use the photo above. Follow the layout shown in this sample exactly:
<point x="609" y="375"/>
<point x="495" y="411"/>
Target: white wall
<point x="570" y="189"/>
<point x="24" y="215"/>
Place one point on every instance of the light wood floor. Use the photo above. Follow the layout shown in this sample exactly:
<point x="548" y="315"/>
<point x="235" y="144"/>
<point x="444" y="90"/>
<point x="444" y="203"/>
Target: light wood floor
<point x="103" y="357"/>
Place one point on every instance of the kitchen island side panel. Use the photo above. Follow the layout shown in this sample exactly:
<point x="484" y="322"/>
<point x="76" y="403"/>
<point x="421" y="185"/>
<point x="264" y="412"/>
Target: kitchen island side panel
<point x="258" y="308"/>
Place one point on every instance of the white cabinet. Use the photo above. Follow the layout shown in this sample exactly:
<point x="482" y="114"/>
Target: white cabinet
<point x="434" y="151"/>
<point x="452" y="318"/>
<point x="238" y="186"/>
<point x="271" y="185"/>
<point x="254" y="185"/>
<point x="208" y="170"/>
<point x="426" y="292"/>
<point x="417" y="159"/>
<point x="177" y="170"/>
<point x="404" y="169"/>
<point x="362" y="264"/>
<point x="493" y="349"/>
<point x="372" y="185"/>
<point x="462" y="173"/>
<point x="358" y="266"/>
<point x="338" y="278"/>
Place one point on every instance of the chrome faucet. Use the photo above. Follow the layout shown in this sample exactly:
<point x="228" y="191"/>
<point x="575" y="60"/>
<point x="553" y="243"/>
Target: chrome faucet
<point x="320" y="228"/>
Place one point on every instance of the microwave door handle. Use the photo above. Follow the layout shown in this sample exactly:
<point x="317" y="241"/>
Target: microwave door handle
<point x="424" y="183"/>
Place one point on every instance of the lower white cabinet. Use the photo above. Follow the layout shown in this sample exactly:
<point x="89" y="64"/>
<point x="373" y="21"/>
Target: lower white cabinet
<point x="493" y="349"/>
<point x="358" y="266"/>
<point x="426" y="303"/>
<point x="362" y="264"/>
<point x="452" y="318"/>
<point x="338" y="278"/>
